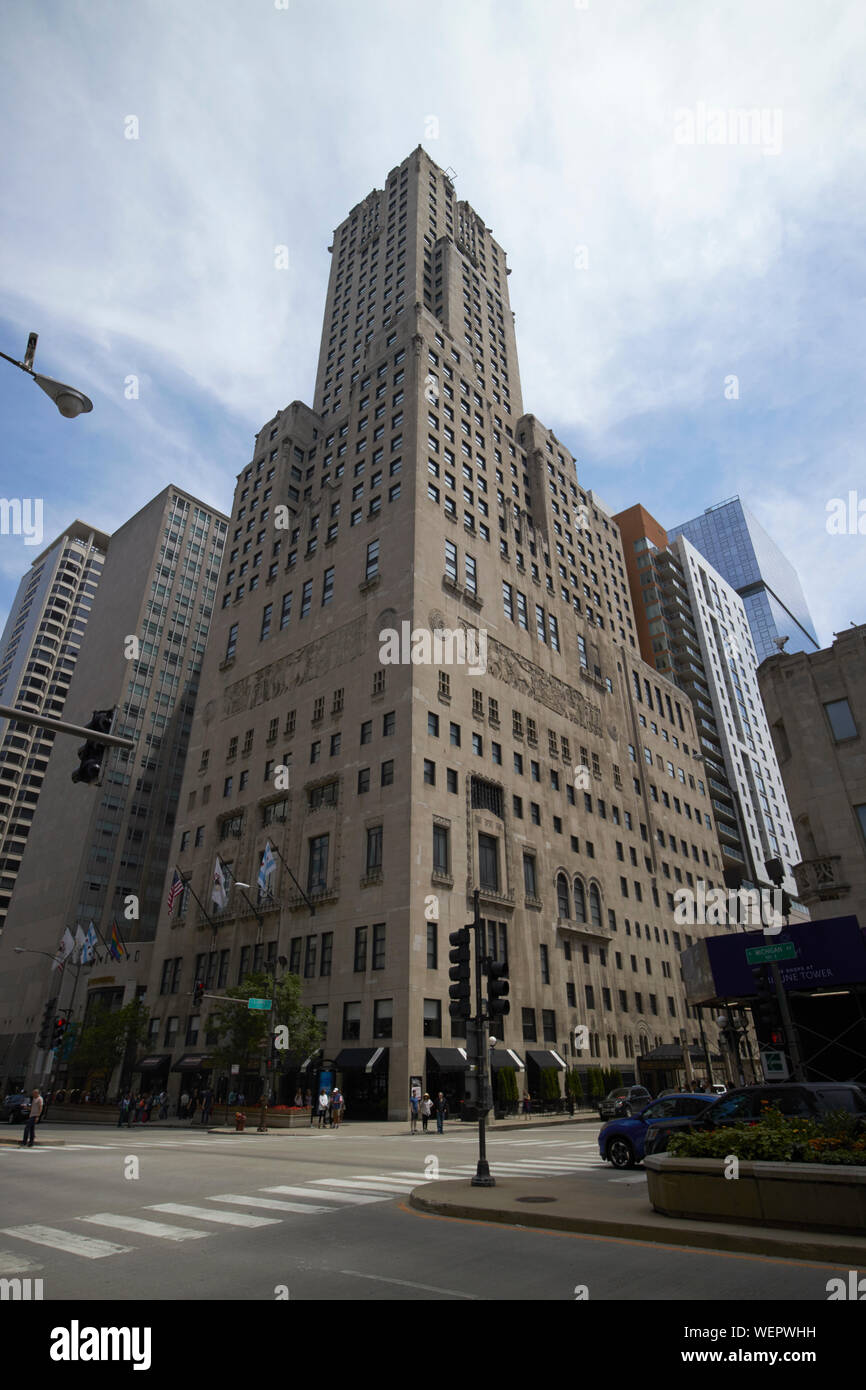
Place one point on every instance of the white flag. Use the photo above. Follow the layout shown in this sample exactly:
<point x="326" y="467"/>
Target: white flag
<point x="219" y="890"/>
<point x="81" y="943"/>
<point x="91" y="942"/>
<point x="67" y="943"/>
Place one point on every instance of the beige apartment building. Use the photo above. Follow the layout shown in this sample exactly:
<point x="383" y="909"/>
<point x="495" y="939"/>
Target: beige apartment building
<point x="531" y="754"/>
<point x="816" y="707"/>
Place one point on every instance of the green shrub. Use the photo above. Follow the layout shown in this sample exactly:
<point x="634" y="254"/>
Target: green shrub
<point x="549" y="1083"/>
<point x="506" y="1086"/>
<point x="838" y="1138"/>
<point x="573" y="1085"/>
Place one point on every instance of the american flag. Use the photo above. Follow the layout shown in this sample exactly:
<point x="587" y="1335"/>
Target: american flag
<point x="174" y="891"/>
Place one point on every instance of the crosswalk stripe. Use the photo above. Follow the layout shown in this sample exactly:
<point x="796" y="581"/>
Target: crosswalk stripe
<point x="67" y="1241"/>
<point x="387" y="1178"/>
<point x="225" y="1218"/>
<point x="269" y="1202"/>
<point x="137" y="1226"/>
<point x="350" y="1198"/>
<point x="355" y="1184"/>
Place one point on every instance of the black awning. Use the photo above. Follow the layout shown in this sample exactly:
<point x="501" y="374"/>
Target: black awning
<point x="153" y="1063"/>
<point x="505" y="1057"/>
<point x="546" y="1059"/>
<point x="448" y="1058"/>
<point x="671" y="1054"/>
<point x="193" y="1061"/>
<point x="361" y="1058"/>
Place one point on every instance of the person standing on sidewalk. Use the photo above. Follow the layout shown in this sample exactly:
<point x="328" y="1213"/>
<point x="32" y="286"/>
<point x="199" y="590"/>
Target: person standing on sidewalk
<point x="123" y="1110"/>
<point x="414" y="1105"/>
<point x="441" y="1112"/>
<point x="426" y="1110"/>
<point x="206" y="1106"/>
<point x="323" y="1108"/>
<point x="30" y="1123"/>
<point x="337" y="1107"/>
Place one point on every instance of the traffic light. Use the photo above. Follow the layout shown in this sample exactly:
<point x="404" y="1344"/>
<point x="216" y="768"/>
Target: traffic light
<point x="91" y="753"/>
<point x="45" y="1032"/>
<point x="198" y="992"/>
<point x="60" y="1025"/>
<point x="460" y="992"/>
<point x="497" y="989"/>
<point x="765" y="1008"/>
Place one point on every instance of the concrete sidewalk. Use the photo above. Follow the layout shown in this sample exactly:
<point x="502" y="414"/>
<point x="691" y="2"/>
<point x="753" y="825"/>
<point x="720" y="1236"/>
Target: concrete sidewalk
<point x="561" y="1204"/>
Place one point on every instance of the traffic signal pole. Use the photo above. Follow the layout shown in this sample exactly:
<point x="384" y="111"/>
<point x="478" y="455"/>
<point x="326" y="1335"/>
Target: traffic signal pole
<point x="60" y="726"/>
<point x="787" y="1024"/>
<point x="482" y="1176"/>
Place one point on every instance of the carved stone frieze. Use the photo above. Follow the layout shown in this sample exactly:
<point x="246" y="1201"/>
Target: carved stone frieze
<point x="297" y="668"/>
<point x="524" y="676"/>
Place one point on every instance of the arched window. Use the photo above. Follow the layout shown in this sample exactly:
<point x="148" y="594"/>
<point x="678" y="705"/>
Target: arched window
<point x="562" y="900"/>
<point x="595" y="905"/>
<point x="579" y="901"/>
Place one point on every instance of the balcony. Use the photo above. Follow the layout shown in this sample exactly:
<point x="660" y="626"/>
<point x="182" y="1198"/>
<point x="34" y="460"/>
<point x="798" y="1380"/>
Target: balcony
<point x="586" y="931"/>
<point x="729" y="852"/>
<point x="820" y="880"/>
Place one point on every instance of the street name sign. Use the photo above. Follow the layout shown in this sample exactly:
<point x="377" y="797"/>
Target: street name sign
<point x="259" y="1004"/>
<point x="782" y="950"/>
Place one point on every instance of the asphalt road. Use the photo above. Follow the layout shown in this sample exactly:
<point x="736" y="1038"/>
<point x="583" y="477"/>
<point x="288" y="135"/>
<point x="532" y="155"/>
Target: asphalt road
<point x="316" y="1215"/>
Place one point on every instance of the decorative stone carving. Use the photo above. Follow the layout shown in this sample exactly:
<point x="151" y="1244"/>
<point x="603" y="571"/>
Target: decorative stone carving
<point x="524" y="676"/>
<point x="285" y="675"/>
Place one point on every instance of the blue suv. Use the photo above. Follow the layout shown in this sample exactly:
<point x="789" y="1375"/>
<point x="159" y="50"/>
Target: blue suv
<point x="621" y="1141"/>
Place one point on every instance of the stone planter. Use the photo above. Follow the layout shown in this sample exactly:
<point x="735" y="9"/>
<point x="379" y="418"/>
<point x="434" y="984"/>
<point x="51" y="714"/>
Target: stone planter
<point x="797" y="1196"/>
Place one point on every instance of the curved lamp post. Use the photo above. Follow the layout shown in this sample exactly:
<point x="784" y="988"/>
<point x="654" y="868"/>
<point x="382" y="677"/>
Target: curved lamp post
<point x="68" y="399"/>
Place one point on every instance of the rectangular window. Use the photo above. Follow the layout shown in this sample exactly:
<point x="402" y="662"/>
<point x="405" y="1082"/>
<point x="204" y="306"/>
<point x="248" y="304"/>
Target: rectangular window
<point x="317" y="877"/>
<point x="306" y="597"/>
<point x="440" y="849"/>
<point x="266" y="621"/>
<point x="328" y="586"/>
<point x="374" y="849"/>
<point x="360" y="960"/>
<point x="378" y="945"/>
<point x="488" y="862"/>
<point x="372" y="568"/>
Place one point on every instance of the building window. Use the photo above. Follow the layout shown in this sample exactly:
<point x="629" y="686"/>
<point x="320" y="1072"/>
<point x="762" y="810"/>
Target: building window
<point x="383" y="1018"/>
<point x="841" y="720"/>
<point x="530" y="884"/>
<point x="327" y="952"/>
<point x="529" y="1030"/>
<point x="360" y="964"/>
<point x="440" y="849"/>
<point x="374" y="849"/>
<point x="432" y="945"/>
<point x="266" y="621"/>
<point x="432" y="1018"/>
<point x="231" y="644"/>
<point x="378" y="946"/>
<point x="488" y="862"/>
<point x="317" y="878"/>
<point x="372" y="567"/>
<point x="351" y="1022"/>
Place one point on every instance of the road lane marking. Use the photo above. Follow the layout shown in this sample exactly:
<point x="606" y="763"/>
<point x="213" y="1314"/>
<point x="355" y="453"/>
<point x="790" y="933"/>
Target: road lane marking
<point x="350" y="1198"/>
<point x="226" y="1218"/>
<point x="67" y="1241"/>
<point x="272" y="1203"/>
<point x="137" y="1226"/>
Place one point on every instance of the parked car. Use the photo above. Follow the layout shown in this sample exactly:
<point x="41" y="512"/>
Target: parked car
<point x="624" y="1100"/>
<point x="15" y="1108"/>
<point x="621" y="1142"/>
<point x="743" y="1106"/>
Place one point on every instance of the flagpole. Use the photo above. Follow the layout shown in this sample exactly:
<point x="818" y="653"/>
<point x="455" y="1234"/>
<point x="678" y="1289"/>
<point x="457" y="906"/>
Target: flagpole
<point x="188" y="884"/>
<point x="295" y="882"/>
<point x="258" y="916"/>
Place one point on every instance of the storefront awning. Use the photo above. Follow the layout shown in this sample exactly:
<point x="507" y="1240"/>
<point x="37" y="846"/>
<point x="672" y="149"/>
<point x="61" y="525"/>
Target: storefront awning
<point x="448" y="1058"/>
<point x="361" y="1058"/>
<point x="547" y="1059"/>
<point x="153" y="1063"/>
<point x="193" y="1061"/>
<point x="669" y="1055"/>
<point x="504" y="1057"/>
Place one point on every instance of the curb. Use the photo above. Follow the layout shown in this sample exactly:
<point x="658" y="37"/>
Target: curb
<point x="791" y="1245"/>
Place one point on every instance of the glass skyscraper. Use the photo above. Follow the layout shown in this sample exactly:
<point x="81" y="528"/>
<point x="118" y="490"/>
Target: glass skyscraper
<point x="736" y="544"/>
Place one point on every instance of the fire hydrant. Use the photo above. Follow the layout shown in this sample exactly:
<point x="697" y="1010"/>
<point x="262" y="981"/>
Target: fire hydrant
<point x="240" y="1121"/>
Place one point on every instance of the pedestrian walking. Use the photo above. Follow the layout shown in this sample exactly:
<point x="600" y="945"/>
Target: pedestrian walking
<point x="426" y="1111"/>
<point x="163" y="1105"/>
<point x="193" y="1106"/>
<point x="414" y="1107"/>
<point x="441" y="1112"/>
<point x="183" y="1105"/>
<point x="123" y="1116"/>
<point x="323" y="1107"/>
<point x="206" y="1106"/>
<point x="527" y="1103"/>
<point x="32" y="1120"/>
<point x="338" y="1105"/>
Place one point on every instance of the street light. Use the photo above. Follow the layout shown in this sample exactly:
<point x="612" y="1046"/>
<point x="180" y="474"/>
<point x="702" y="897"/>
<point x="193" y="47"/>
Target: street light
<point x="68" y="399"/>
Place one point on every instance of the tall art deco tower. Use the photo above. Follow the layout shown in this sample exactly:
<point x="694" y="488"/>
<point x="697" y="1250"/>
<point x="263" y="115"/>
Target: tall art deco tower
<point x="559" y="775"/>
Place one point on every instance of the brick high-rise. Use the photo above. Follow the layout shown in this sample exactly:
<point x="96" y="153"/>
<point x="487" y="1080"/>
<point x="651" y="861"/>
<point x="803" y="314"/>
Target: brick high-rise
<point x="419" y="493"/>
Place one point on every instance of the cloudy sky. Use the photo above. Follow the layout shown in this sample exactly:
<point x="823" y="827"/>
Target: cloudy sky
<point x="689" y="312"/>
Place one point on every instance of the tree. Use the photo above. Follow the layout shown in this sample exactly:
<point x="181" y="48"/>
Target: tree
<point x="107" y="1036"/>
<point x="243" y="1034"/>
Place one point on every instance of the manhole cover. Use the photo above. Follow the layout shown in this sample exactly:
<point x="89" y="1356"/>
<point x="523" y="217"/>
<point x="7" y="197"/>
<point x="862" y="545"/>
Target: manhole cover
<point x="535" y="1199"/>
